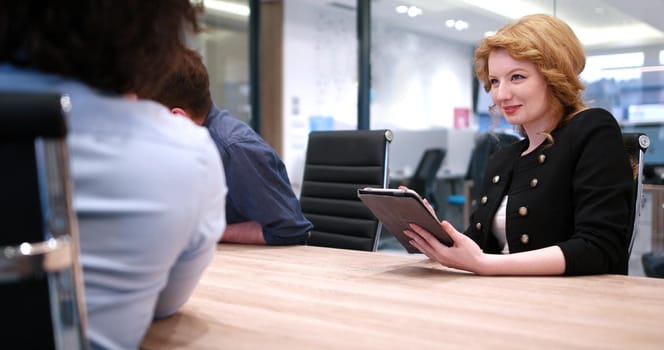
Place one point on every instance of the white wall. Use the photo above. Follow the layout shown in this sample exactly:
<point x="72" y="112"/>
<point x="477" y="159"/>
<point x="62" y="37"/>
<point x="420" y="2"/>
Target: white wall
<point x="417" y="80"/>
<point x="320" y="74"/>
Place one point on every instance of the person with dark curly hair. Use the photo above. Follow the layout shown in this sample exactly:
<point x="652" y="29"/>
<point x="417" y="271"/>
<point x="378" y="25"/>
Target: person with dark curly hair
<point x="148" y="188"/>
<point x="558" y="201"/>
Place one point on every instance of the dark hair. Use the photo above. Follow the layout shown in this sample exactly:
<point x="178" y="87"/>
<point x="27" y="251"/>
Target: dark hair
<point x="112" y="45"/>
<point x="187" y="87"/>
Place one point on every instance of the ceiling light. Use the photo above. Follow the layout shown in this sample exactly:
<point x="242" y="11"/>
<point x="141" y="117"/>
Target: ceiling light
<point x="229" y="7"/>
<point x="626" y="33"/>
<point x="460" y="25"/>
<point x="456" y="24"/>
<point x="622" y="66"/>
<point x="414" y="11"/>
<point x="644" y="69"/>
<point x="620" y="60"/>
<point x="411" y="11"/>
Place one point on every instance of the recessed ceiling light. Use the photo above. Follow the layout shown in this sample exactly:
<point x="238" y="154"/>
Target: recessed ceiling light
<point x="456" y="24"/>
<point x="414" y="11"/>
<point x="460" y="25"/>
<point x="411" y="11"/>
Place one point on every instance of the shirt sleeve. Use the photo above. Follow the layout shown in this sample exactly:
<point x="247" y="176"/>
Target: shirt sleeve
<point x="602" y="188"/>
<point x="209" y="223"/>
<point x="261" y="191"/>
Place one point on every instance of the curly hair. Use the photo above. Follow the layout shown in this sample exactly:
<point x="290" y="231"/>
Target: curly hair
<point x="112" y="45"/>
<point x="551" y="45"/>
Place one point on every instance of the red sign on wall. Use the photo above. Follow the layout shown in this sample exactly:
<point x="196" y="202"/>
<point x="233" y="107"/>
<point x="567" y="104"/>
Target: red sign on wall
<point x="461" y="118"/>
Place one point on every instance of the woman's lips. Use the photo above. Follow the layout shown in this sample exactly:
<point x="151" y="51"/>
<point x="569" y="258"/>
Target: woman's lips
<point x="510" y="109"/>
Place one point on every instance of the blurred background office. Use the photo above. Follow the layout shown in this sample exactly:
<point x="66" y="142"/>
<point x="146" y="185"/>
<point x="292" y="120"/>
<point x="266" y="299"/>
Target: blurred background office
<point x="406" y="65"/>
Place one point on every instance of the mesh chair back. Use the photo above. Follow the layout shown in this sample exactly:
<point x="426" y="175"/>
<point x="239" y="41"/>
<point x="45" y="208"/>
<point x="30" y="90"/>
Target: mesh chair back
<point x="337" y="164"/>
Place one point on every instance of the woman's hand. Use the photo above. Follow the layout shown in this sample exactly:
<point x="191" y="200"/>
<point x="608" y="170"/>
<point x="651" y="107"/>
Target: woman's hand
<point x="426" y="203"/>
<point x="464" y="254"/>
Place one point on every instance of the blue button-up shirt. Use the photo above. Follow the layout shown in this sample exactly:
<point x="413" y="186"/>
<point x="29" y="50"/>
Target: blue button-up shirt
<point x="258" y="185"/>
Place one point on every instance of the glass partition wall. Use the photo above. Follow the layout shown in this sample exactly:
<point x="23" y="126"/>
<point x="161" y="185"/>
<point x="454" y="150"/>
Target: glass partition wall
<point x="421" y="53"/>
<point x="224" y="45"/>
<point x="421" y="75"/>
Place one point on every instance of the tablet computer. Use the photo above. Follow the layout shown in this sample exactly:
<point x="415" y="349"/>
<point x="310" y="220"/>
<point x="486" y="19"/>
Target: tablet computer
<point x="397" y="208"/>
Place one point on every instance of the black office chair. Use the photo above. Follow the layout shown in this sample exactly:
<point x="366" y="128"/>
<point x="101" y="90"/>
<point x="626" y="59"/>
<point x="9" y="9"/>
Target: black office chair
<point x="40" y="275"/>
<point x="636" y="145"/>
<point x="653" y="264"/>
<point x="423" y="180"/>
<point x="337" y="164"/>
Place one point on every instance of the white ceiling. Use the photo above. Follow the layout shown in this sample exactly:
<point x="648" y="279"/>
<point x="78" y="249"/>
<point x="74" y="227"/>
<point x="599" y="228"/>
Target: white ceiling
<point x="600" y="24"/>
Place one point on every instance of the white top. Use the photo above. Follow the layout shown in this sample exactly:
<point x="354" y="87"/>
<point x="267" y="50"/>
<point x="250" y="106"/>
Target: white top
<point x="499" y="223"/>
<point x="149" y="193"/>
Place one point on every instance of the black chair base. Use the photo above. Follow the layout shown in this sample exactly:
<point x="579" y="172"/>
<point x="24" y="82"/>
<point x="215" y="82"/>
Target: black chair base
<point x="653" y="264"/>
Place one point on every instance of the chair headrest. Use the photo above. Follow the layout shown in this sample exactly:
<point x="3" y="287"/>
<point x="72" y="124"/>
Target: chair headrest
<point x="25" y="115"/>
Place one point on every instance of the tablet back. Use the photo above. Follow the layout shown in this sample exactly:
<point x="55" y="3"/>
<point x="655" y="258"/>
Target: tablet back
<point x="397" y="209"/>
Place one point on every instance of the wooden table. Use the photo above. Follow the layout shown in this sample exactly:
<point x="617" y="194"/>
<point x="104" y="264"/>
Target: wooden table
<point x="305" y="297"/>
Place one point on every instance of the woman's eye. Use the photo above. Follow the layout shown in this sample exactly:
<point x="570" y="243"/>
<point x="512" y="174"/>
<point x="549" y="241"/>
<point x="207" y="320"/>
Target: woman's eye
<point x="493" y="82"/>
<point x="518" y="77"/>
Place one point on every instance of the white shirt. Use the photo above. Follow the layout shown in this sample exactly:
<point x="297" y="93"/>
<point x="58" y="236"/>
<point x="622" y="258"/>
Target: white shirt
<point x="149" y="194"/>
<point x="499" y="226"/>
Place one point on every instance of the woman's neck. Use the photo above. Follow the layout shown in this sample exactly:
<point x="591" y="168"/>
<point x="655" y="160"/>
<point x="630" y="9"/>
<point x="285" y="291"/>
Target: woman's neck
<point x="534" y="141"/>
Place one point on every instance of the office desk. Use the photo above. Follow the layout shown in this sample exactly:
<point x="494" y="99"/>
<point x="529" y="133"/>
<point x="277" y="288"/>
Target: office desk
<point x="313" y="298"/>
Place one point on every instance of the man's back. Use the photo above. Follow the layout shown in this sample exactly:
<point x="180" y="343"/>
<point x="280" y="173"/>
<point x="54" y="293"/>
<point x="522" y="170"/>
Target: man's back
<point x="148" y="190"/>
<point x="261" y="207"/>
<point x="258" y="184"/>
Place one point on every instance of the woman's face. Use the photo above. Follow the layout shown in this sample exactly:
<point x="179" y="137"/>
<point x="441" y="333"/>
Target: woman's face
<point x="519" y="90"/>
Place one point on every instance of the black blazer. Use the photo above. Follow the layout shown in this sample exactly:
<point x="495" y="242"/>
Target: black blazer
<point x="575" y="193"/>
